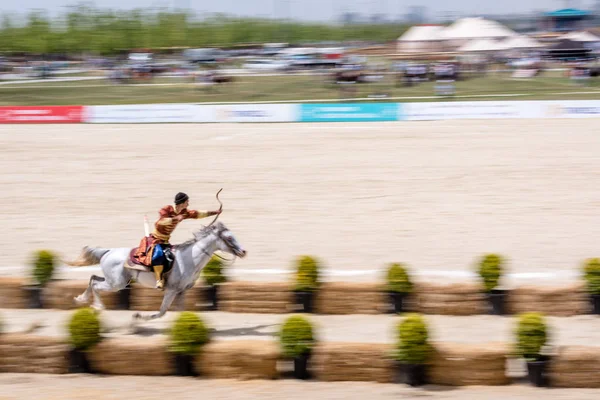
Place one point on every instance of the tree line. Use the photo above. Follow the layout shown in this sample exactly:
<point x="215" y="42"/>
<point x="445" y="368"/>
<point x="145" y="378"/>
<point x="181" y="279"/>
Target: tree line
<point x="85" y="29"/>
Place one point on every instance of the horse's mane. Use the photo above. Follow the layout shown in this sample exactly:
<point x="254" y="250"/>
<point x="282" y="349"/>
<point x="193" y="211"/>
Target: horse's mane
<point x="198" y="235"/>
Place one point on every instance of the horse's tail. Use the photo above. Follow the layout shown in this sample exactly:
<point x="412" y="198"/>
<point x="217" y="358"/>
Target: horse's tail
<point x="88" y="256"/>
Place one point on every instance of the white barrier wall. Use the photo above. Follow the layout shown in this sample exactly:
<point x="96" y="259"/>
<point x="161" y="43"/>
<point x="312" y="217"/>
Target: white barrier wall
<point x="143" y="113"/>
<point x="471" y="110"/>
<point x="570" y="109"/>
<point x="251" y="113"/>
<point x="307" y="112"/>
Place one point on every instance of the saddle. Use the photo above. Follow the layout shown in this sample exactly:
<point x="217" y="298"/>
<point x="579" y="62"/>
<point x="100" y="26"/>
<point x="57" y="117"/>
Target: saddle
<point x="132" y="263"/>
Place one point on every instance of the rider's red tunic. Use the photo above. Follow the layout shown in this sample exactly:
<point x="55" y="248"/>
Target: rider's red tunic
<point x="163" y="228"/>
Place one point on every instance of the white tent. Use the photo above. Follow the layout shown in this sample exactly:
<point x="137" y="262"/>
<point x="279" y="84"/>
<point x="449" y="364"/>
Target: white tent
<point x="521" y="42"/>
<point x="479" y="45"/>
<point x="476" y="28"/>
<point x="421" y="38"/>
<point x="581" y="37"/>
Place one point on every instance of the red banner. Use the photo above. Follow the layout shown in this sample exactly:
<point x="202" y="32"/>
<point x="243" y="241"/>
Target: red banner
<point x="41" y="114"/>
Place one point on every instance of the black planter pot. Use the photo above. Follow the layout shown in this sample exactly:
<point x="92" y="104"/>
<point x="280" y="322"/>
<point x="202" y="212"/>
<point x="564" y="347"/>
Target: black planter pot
<point x="212" y="294"/>
<point x="301" y="366"/>
<point x="497" y="301"/>
<point x="306" y="300"/>
<point x="124" y="296"/>
<point x="595" y="299"/>
<point x="79" y="363"/>
<point x="184" y="365"/>
<point x="536" y="372"/>
<point x="415" y="374"/>
<point x="397" y="302"/>
<point x="35" y="296"/>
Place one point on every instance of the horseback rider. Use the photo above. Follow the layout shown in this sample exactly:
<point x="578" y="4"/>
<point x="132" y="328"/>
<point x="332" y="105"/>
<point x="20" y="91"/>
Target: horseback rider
<point x="154" y="249"/>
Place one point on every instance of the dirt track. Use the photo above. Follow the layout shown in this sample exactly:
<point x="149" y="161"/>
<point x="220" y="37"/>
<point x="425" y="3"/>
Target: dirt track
<point x="27" y="386"/>
<point x="566" y="331"/>
<point x="432" y="194"/>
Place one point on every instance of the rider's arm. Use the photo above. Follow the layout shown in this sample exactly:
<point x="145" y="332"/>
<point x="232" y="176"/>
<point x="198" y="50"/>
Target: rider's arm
<point x="197" y="214"/>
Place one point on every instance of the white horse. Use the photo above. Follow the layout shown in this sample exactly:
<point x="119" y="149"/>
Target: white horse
<point x="190" y="258"/>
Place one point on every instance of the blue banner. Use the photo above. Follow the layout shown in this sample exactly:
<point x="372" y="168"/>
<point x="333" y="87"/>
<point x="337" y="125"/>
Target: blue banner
<point x="349" y="112"/>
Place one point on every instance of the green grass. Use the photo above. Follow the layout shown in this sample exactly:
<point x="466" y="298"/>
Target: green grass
<point x="285" y="88"/>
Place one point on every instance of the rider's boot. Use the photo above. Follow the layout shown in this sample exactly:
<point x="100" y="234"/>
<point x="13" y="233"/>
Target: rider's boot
<point x="160" y="283"/>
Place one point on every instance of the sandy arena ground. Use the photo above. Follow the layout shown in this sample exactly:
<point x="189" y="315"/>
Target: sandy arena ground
<point x="85" y="387"/>
<point x="435" y="195"/>
<point x="565" y="331"/>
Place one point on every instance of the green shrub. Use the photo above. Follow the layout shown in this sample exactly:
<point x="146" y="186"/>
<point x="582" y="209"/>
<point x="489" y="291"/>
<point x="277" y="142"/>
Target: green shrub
<point x="43" y="266"/>
<point x="531" y="335"/>
<point x="307" y="274"/>
<point x="592" y="275"/>
<point x="490" y="270"/>
<point x="398" y="280"/>
<point x="84" y="329"/>
<point x="212" y="273"/>
<point x="413" y="340"/>
<point x="296" y="336"/>
<point x="188" y="334"/>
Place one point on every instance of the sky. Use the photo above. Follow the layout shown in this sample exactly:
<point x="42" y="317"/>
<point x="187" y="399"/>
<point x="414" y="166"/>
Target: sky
<point x="312" y="10"/>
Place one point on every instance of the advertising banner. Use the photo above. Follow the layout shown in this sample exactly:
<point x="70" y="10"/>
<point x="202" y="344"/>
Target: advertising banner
<point x="141" y="113"/>
<point x="348" y="112"/>
<point x="251" y="113"/>
<point x="471" y="110"/>
<point x="41" y="114"/>
<point x="571" y="109"/>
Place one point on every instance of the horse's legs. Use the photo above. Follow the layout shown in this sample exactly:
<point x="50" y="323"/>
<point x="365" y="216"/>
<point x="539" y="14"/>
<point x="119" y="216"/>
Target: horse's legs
<point x="85" y="296"/>
<point x="179" y="303"/>
<point x="164" y="307"/>
<point x="100" y="285"/>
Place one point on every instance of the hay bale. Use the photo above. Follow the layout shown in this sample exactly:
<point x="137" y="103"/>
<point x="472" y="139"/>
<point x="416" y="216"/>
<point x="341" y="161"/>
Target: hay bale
<point x="59" y="294"/>
<point x="589" y="380"/>
<point x="577" y="353"/>
<point x="239" y="359"/>
<point x="564" y="300"/>
<point x="353" y="362"/>
<point x="121" y="356"/>
<point x="550" y="308"/>
<point x="351" y="287"/>
<point x="256" y="297"/>
<point x="148" y="299"/>
<point x="550" y="290"/>
<point x="24" y="353"/>
<point x="255" y="287"/>
<point x="351" y="298"/>
<point x="257" y="307"/>
<point x="459" y="364"/>
<point x="240" y="296"/>
<point x="450" y="288"/>
<point x="452" y="297"/>
<point x="580" y="363"/>
<point x="12" y="294"/>
<point x="448" y="299"/>
<point x="461" y="308"/>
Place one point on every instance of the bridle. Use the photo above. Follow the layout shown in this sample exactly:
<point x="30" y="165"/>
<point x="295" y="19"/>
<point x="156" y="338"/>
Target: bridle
<point x="228" y="245"/>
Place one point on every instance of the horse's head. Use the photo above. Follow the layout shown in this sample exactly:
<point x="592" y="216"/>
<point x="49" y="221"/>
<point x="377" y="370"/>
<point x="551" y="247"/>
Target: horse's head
<point x="226" y="241"/>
